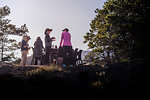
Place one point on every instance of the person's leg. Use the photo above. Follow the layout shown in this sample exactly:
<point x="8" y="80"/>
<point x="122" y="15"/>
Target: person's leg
<point x="21" y="63"/>
<point x="40" y="60"/>
<point x="64" y="55"/>
<point x="69" y="56"/>
<point x="47" y="55"/>
<point x="23" y="58"/>
<point x="70" y="60"/>
<point x="61" y="61"/>
<point x="50" y="58"/>
<point x="81" y="62"/>
<point x="43" y="58"/>
<point x="35" y="61"/>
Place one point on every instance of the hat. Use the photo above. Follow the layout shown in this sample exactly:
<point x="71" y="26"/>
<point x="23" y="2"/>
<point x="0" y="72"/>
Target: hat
<point x="48" y="29"/>
<point x="29" y="37"/>
<point x="25" y="35"/>
<point x="66" y="29"/>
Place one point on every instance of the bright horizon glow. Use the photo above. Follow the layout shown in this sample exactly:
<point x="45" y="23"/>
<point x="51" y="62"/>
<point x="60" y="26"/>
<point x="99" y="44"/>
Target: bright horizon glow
<point x="56" y="14"/>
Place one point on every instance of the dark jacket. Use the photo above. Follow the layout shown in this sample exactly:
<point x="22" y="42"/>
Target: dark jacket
<point x="48" y="42"/>
<point x="38" y="46"/>
<point x="23" y="43"/>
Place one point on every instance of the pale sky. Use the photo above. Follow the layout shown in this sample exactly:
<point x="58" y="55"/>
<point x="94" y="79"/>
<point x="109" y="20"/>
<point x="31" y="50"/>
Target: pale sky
<point x="56" y="14"/>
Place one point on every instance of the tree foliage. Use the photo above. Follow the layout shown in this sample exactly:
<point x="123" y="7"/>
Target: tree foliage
<point x="7" y="46"/>
<point x="118" y="31"/>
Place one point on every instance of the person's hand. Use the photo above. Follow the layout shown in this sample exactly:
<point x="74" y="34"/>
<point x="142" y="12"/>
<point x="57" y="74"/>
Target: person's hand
<point x="53" y="38"/>
<point x="26" y="46"/>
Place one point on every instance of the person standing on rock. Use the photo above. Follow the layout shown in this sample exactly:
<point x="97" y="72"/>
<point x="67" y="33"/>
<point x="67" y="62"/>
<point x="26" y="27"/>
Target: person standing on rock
<point x="67" y="48"/>
<point x="48" y="44"/>
<point x="38" y="48"/>
<point x="24" y="49"/>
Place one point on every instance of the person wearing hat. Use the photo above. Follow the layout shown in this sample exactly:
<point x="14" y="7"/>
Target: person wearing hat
<point x="48" y="44"/>
<point x="24" y="48"/>
<point x="67" y="47"/>
<point x="28" y="38"/>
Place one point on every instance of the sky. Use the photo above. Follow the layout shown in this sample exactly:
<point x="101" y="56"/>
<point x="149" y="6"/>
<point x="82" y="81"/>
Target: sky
<point x="76" y="15"/>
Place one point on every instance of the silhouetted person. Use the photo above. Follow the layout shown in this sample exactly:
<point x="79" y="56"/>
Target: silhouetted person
<point x="79" y="59"/>
<point x="75" y="56"/>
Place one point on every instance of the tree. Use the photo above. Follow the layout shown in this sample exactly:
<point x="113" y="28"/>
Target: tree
<point x="116" y="33"/>
<point x="7" y="46"/>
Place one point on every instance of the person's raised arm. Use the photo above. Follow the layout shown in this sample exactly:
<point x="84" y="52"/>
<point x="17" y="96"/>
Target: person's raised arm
<point x="52" y="39"/>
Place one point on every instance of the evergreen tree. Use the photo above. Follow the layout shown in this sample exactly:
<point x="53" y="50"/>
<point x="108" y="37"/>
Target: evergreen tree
<point x="8" y="46"/>
<point x="116" y="33"/>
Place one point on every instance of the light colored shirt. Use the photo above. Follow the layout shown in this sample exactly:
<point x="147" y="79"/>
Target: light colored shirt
<point x="66" y="39"/>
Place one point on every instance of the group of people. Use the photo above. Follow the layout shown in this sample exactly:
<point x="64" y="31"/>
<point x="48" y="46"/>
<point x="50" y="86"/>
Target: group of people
<point x="66" y="56"/>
